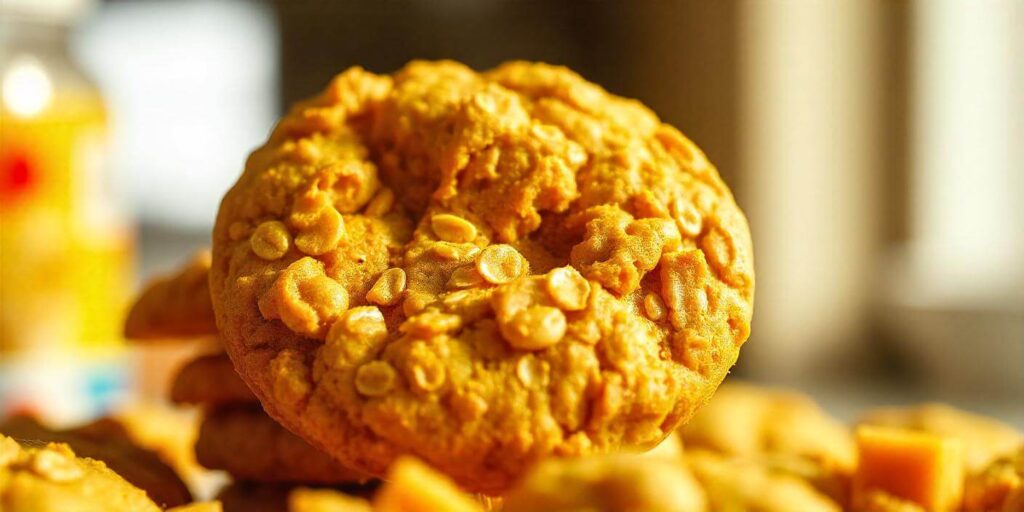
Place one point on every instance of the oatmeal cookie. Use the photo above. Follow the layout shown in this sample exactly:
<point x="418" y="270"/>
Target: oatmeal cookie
<point x="250" y="446"/>
<point x="174" y="306"/>
<point x="50" y="478"/>
<point x="479" y="269"/>
<point x="210" y="380"/>
<point x="109" y="442"/>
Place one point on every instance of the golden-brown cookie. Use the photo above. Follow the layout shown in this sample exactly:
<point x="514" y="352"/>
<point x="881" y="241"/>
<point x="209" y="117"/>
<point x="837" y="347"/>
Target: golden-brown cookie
<point x="50" y="478"/>
<point x="251" y="446"/>
<point x="175" y="306"/>
<point x="480" y="269"/>
<point x="108" y="441"/>
<point x="781" y="429"/>
<point x="985" y="439"/>
<point x="210" y="380"/>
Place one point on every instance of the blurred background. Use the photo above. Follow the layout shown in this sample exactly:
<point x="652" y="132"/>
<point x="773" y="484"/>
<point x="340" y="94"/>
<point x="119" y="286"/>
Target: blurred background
<point x="876" y="147"/>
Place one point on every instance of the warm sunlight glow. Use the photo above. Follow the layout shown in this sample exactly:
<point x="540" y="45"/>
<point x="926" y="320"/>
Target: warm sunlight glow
<point x="27" y="88"/>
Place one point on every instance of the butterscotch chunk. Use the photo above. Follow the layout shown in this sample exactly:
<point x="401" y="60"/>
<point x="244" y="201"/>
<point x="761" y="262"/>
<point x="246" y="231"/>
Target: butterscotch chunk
<point x="52" y="478"/>
<point x="412" y="486"/>
<point x="174" y="306"/>
<point x="913" y="466"/>
<point x="984" y="439"/>
<point x="541" y="269"/>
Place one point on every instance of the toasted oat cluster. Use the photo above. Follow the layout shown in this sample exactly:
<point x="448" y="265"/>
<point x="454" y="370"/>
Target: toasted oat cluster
<point x="480" y="269"/>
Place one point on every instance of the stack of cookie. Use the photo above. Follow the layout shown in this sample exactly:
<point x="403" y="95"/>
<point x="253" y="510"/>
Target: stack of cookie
<point x="235" y="435"/>
<point x="514" y="281"/>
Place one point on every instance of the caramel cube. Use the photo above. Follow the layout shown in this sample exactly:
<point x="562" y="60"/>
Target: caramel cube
<point x="915" y="466"/>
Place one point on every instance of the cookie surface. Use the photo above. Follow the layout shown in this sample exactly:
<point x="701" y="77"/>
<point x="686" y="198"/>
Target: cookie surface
<point x="480" y="269"/>
<point x="251" y="446"/>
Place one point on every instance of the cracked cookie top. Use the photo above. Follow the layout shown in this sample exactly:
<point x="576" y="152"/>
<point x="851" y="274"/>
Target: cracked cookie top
<point x="481" y="269"/>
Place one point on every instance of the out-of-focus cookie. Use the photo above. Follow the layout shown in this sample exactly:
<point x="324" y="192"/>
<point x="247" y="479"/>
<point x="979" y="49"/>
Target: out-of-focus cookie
<point x="175" y="306"/>
<point x="171" y="433"/>
<point x="251" y="446"/>
<point x="985" y="439"/>
<point x="781" y="429"/>
<point x="738" y="484"/>
<point x="999" y="487"/>
<point x="210" y="380"/>
<point x="608" y="483"/>
<point x="50" y="478"/>
<point x="479" y="269"/>
<point x="108" y="441"/>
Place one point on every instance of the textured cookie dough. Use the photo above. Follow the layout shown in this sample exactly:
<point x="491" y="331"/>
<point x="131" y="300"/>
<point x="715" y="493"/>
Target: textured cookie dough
<point x="985" y="439"/>
<point x="51" y="478"/>
<point x="250" y="446"/>
<point x="174" y="306"/>
<point x="210" y="380"/>
<point x="780" y="429"/>
<point x="480" y="269"/>
<point x="109" y="442"/>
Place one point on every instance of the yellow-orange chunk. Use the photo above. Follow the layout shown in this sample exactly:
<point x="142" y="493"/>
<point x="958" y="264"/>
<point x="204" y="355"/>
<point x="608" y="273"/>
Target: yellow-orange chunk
<point x="304" y="298"/>
<point x="320" y="226"/>
<point x="452" y="228"/>
<point x="270" y="240"/>
<point x="914" y="466"/>
<point x="388" y="288"/>
<point x="568" y="288"/>
<point x="501" y="263"/>
<point x="535" y="328"/>
<point x="412" y="486"/>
